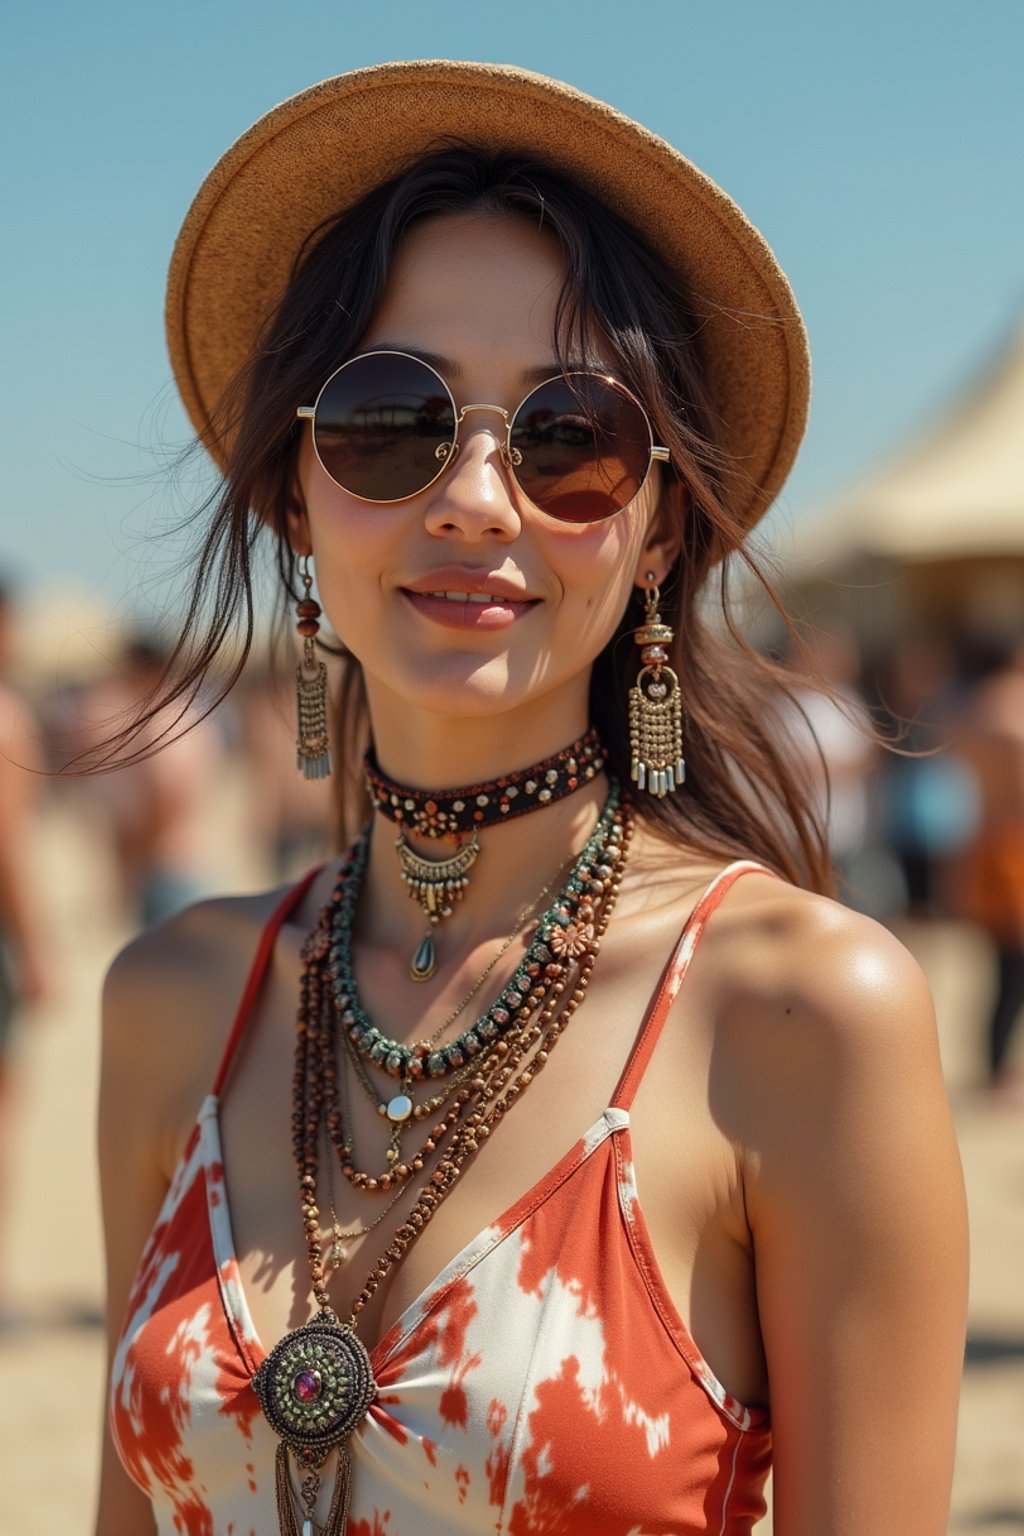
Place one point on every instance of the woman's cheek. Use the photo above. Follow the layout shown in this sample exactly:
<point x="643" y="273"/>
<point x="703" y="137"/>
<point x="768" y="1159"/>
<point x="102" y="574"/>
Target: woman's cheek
<point x="596" y="568"/>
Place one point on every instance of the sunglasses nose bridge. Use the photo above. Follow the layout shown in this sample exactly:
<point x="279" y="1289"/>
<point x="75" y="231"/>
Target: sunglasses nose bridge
<point x="498" y="410"/>
<point x="508" y="457"/>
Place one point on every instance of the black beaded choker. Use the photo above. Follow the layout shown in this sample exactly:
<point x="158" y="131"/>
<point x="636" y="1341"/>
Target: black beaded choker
<point x="456" y="812"/>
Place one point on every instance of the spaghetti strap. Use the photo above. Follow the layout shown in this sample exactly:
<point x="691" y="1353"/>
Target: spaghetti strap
<point x="672" y="977"/>
<point x="257" y="971"/>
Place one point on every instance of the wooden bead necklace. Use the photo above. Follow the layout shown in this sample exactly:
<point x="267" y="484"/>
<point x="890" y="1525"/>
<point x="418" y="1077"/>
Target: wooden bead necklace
<point x="316" y="1385"/>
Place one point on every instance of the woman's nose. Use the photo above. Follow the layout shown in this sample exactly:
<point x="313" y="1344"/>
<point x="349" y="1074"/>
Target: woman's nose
<point x="476" y="495"/>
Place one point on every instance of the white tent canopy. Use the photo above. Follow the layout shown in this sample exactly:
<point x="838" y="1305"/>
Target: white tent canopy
<point x="958" y="491"/>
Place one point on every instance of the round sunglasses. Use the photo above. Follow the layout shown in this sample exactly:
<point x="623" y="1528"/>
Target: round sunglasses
<point x="385" y="427"/>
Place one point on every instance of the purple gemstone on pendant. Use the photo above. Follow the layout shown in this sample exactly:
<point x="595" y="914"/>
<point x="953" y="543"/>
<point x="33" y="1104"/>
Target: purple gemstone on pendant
<point x="307" y="1386"/>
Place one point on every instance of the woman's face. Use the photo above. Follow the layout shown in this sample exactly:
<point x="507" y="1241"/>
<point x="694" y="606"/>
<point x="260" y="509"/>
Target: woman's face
<point x="478" y="291"/>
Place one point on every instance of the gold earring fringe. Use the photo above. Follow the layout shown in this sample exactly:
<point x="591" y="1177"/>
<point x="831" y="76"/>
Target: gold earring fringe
<point x="655" y="709"/>
<point x="313" y="743"/>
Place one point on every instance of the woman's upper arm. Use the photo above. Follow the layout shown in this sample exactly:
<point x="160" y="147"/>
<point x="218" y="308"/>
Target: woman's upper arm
<point x="855" y="1199"/>
<point x="133" y="1187"/>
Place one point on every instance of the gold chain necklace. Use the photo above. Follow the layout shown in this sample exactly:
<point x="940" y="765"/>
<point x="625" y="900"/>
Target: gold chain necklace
<point x="338" y="1237"/>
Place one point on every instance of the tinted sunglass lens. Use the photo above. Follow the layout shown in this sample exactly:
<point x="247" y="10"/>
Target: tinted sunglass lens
<point x="384" y="426"/>
<point x="584" y="448"/>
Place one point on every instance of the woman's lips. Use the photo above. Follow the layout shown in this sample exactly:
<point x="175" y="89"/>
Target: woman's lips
<point x="463" y="611"/>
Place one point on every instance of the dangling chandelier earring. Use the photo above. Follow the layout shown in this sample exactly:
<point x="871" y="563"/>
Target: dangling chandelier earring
<point x="655" y="706"/>
<point x="312" y="744"/>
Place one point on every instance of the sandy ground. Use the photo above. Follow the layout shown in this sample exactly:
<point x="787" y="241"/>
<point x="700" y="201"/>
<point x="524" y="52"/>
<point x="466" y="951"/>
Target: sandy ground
<point x="51" y="1362"/>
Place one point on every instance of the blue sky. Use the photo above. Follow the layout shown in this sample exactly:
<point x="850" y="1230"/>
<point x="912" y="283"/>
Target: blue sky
<point x="877" y="145"/>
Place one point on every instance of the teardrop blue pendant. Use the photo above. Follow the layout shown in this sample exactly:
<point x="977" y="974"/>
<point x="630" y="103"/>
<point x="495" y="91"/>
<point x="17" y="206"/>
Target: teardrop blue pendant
<point x="424" y="962"/>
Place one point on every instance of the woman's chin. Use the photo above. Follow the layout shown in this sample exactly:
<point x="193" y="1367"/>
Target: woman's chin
<point x="460" y="687"/>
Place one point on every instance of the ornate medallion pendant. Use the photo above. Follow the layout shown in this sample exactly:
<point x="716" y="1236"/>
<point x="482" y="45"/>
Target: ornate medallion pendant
<point x="315" y="1387"/>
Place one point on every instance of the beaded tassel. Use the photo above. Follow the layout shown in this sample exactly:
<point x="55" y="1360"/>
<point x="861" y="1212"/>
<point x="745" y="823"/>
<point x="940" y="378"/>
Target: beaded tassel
<point x="312" y="746"/>
<point x="288" y="1515"/>
<point x="655" y="707"/>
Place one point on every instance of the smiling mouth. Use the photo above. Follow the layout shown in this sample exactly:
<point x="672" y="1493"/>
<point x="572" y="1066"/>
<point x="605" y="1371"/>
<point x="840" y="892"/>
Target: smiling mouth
<point x="475" y="597"/>
<point x="472" y="610"/>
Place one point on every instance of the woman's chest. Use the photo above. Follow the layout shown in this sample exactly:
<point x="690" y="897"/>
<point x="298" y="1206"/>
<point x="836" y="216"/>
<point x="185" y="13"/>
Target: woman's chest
<point x="685" y="1179"/>
<point x="531" y="1373"/>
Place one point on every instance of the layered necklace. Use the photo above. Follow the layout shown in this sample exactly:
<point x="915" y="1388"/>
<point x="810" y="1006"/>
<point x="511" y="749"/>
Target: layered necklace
<point x="458" y="814"/>
<point x="316" y="1386"/>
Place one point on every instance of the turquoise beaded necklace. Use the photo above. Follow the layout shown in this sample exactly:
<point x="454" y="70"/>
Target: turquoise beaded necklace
<point x="551" y="944"/>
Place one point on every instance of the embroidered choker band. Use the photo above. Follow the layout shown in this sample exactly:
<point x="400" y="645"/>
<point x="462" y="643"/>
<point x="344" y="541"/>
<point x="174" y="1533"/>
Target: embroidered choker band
<point x="457" y="812"/>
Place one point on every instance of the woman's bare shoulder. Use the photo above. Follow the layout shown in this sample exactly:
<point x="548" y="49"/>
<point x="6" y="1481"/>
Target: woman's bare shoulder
<point x="818" y="1011"/>
<point x="169" y="1000"/>
<point x="204" y="934"/>
<point x="794" y="954"/>
<point x="175" y="960"/>
<point x="775" y="957"/>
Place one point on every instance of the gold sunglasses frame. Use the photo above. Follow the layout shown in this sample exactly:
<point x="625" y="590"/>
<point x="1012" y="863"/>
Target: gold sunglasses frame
<point x="510" y="456"/>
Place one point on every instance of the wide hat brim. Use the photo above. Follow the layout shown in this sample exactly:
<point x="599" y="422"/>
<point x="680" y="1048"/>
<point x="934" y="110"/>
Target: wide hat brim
<point x="320" y="151"/>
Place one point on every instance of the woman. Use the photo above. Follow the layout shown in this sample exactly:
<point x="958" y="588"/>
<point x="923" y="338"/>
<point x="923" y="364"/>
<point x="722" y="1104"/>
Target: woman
<point x="504" y="1334"/>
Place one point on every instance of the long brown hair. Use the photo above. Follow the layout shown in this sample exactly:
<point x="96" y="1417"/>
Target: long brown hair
<point x="744" y="794"/>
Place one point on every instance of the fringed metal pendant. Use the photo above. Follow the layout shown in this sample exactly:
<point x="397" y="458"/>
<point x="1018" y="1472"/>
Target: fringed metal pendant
<point x="312" y="746"/>
<point x="315" y="1387"/>
<point x="436" y="884"/>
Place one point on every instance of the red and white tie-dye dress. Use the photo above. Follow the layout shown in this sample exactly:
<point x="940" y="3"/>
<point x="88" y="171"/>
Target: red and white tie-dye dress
<point x="544" y="1382"/>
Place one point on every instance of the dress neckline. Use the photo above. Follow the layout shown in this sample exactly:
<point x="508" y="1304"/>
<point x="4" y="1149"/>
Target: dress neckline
<point x="235" y="1298"/>
<point x="614" y="1118"/>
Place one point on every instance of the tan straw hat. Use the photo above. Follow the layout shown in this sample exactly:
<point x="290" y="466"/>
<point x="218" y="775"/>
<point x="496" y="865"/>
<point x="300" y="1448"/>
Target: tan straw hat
<point x="320" y="151"/>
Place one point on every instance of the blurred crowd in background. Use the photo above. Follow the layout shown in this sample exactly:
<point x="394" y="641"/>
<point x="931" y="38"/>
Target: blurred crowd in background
<point x="929" y="826"/>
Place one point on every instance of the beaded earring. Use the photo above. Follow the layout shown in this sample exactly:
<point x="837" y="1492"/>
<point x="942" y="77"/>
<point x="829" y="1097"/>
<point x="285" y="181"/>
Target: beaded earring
<point x="655" y="706"/>
<point x="312" y="744"/>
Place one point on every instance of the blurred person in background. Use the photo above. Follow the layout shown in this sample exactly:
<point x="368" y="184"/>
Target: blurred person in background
<point x="987" y="883"/>
<point x="25" y="966"/>
<point x="157" y="809"/>
<point x="928" y="797"/>
<point x="830" y="730"/>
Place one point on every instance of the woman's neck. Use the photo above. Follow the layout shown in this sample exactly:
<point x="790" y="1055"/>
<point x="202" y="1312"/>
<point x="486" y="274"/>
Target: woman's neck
<point x="421" y="750"/>
<point x="426" y="751"/>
